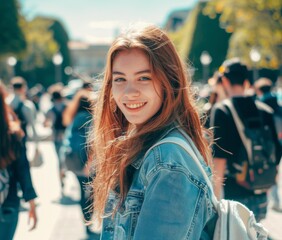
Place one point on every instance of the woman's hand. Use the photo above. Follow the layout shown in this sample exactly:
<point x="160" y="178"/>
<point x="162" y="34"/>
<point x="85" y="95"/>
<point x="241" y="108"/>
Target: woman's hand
<point x="32" y="215"/>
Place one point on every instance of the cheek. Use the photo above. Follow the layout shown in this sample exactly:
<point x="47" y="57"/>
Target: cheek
<point x="115" y="93"/>
<point x="159" y="93"/>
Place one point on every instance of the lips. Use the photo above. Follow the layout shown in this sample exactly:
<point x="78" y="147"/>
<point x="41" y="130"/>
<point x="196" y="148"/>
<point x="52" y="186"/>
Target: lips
<point x="134" y="105"/>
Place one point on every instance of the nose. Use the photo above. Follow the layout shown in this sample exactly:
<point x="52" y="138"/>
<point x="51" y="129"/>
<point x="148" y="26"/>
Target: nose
<point x="131" y="90"/>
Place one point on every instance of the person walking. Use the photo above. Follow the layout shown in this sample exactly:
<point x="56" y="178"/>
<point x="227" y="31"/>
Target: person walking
<point x="143" y="190"/>
<point x="264" y="93"/>
<point x="54" y="118"/>
<point x="231" y="166"/>
<point x="24" y="108"/>
<point x="74" y="149"/>
<point x="14" y="170"/>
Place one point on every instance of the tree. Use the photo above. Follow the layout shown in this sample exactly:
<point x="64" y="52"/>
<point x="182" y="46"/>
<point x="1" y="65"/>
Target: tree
<point x="12" y="39"/>
<point x="45" y="37"/>
<point x="253" y="24"/>
<point x="60" y="35"/>
<point x="201" y="33"/>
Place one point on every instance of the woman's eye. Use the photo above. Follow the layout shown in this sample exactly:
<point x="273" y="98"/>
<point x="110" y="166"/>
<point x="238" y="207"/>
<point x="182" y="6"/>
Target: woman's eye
<point x="119" y="80"/>
<point x="145" y="78"/>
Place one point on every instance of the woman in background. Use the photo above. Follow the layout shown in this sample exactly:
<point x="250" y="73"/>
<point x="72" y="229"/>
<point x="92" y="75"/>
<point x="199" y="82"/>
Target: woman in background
<point x="74" y="149"/>
<point x="15" y="167"/>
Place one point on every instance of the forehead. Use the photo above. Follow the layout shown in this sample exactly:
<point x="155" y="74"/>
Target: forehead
<point x="134" y="59"/>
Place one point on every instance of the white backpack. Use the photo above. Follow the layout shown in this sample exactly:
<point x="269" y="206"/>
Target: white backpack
<point x="235" y="221"/>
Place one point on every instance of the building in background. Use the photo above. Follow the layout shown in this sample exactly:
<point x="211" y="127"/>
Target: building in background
<point x="88" y="59"/>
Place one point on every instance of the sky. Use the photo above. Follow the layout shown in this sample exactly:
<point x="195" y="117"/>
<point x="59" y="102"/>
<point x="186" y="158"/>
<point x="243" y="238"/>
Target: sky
<point x="97" y="21"/>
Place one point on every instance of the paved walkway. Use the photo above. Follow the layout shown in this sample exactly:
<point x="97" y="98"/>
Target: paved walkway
<point x="58" y="218"/>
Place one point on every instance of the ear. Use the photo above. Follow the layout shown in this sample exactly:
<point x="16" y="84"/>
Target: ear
<point x="225" y="81"/>
<point x="247" y="84"/>
<point x="226" y="86"/>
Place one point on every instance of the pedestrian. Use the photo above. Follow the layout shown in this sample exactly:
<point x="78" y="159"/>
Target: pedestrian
<point x="70" y="111"/>
<point x="146" y="97"/>
<point x="264" y="93"/>
<point x="217" y="94"/>
<point x="74" y="148"/>
<point x="54" y="118"/>
<point x="14" y="163"/>
<point x="240" y="168"/>
<point x="24" y="108"/>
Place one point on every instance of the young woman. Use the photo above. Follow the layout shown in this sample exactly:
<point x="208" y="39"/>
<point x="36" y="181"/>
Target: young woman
<point x="74" y="149"/>
<point x="14" y="163"/>
<point x="146" y="97"/>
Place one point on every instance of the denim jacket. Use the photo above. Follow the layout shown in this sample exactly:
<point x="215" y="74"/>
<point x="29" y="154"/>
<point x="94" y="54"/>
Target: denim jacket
<point x="168" y="198"/>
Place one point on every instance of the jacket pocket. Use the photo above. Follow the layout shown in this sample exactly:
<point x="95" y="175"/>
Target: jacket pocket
<point x="127" y="215"/>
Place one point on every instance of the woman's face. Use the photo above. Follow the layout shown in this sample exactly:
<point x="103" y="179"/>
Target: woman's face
<point x="137" y="94"/>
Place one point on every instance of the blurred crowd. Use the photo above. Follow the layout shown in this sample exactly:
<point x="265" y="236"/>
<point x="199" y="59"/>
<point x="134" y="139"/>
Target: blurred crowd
<point x="69" y="115"/>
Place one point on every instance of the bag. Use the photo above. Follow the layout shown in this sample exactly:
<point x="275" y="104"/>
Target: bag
<point x="58" y="124"/>
<point x="4" y="185"/>
<point x="235" y="221"/>
<point x="74" y="151"/>
<point x="18" y="111"/>
<point x="277" y="116"/>
<point x="256" y="165"/>
<point x="37" y="160"/>
<point x="73" y="161"/>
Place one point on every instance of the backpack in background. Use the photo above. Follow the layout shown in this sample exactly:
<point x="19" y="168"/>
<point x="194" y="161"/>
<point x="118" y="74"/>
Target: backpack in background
<point x="255" y="170"/>
<point x="235" y="221"/>
<point x="18" y="111"/>
<point x="58" y="124"/>
<point x="73" y="161"/>
<point x="4" y="185"/>
<point x="74" y="152"/>
<point x="277" y="116"/>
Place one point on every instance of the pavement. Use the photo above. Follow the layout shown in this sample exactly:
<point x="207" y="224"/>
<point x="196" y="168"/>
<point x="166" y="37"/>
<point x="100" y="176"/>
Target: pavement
<point x="61" y="218"/>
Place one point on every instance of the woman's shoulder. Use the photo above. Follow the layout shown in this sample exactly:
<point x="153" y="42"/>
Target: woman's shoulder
<point x="170" y="153"/>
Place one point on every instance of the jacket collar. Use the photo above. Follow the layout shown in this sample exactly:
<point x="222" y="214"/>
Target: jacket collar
<point x="137" y="162"/>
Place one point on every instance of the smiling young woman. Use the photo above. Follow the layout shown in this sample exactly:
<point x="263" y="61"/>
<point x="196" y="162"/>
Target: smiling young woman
<point x="146" y="97"/>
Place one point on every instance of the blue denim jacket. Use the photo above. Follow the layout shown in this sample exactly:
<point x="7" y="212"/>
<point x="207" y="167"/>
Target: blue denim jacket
<point x="168" y="198"/>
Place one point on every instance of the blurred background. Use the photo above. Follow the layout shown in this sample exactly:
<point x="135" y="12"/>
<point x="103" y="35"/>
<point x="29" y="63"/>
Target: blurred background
<point x="61" y="42"/>
<point x="56" y="41"/>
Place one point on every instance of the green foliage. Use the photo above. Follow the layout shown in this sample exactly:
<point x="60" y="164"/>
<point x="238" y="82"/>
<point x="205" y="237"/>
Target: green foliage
<point x="12" y="40"/>
<point x="201" y="33"/>
<point x="253" y="23"/>
<point x="41" y="45"/>
<point x="61" y="37"/>
<point x="45" y="36"/>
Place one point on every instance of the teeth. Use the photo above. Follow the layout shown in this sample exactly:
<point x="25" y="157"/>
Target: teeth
<point x="135" y="105"/>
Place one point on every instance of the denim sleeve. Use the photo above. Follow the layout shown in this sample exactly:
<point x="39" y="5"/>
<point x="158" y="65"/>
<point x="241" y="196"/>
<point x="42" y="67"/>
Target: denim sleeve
<point x="174" y="207"/>
<point x="24" y="177"/>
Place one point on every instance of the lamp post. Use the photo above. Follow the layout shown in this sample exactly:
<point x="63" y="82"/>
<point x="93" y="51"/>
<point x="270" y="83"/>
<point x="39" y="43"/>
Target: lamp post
<point x="57" y="60"/>
<point x="255" y="57"/>
<point x="205" y="59"/>
<point x="12" y="61"/>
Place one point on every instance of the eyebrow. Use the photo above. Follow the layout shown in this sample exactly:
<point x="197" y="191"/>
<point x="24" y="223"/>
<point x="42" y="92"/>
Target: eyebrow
<point x="139" y="72"/>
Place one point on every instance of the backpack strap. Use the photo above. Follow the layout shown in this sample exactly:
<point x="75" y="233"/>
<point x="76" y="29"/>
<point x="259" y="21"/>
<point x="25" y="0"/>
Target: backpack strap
<point x="191" y="149"/>
<point x="240" y="127"/>
<point x="263" y="106"/>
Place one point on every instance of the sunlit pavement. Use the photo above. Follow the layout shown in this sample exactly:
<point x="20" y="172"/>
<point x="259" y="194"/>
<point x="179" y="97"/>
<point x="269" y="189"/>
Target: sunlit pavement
<point x="58" y="218"/>
<point x="55" y="220"/>
<point x="273" y="221"/>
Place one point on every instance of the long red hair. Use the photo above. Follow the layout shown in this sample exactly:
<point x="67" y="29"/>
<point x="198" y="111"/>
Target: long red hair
<point x="113" y="149"/>
<point x="10" y="133"/>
